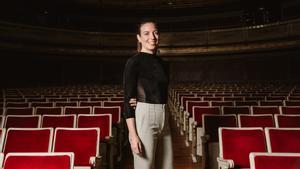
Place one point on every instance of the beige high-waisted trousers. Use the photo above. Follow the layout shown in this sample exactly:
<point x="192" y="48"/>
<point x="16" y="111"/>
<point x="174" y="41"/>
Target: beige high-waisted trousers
<point x="152" y="124"/>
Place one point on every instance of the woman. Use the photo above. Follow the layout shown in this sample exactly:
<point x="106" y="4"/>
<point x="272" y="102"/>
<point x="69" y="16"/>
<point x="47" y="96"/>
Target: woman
<point x="146" y="79"/>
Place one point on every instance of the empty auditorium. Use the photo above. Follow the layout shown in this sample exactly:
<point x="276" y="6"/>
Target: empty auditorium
<point x="150" y="84"/>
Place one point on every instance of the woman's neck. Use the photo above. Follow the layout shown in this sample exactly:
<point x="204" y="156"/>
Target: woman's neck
<point x="148" y="51"/>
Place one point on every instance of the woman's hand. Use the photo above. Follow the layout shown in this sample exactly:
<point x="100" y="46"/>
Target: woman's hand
<point x="132" y="102"/>
<point x="136" y="145"/>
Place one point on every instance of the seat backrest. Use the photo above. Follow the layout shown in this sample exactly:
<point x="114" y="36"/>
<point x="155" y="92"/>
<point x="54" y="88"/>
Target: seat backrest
<point x="290" y="110"/>
<point x="185" y="99"/>
<point x="28" y="140"/>
<point x="237" y="143"/>
<point x="199" y="111"/>
<point x="114" y="103"/>
<point x="271" y="103"/>
<point x="233" y="98"/>
<point x="283" y="139"/>
<point x="49" y="110"/>
<point x="256" y="120"/>
<point x="84" y="142"/>
<point x="274" y="160"/>
<point x="222" y="103"/>
<point x="39" y="160"/>
<point x="265" y="110"/>
<point x="90" y="103"/>
<point x="102" y="121"/>
<point x="77" y="110"/>
<point x="99" y="99"/>
<point x="116" y="98"/>
<point x="115" y="111"/>
<point x="22" y="121"/>
<point x="41" y="104"/>
<point x="55" y="121"/>
<point x="211" y="123"/>
<point x="246" y="103"/>
<point x="236" y="110"/>
<point x="19" y="111"/>
<point x="191" y="104"/>
<point x="64" y="104"/>
<point x="287" y="120"/>
<point x="292" y="103"/>
<point x="17" y="104"/>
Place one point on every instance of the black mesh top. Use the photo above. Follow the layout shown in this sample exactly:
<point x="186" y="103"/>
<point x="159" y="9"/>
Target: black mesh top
<point x="146" y="79"/>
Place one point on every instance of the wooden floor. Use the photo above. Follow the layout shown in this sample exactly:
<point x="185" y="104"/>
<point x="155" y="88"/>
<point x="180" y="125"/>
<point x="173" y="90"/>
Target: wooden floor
<point x="182" y="154"/>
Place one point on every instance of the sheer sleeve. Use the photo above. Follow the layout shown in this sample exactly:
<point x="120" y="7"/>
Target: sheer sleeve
<point x="130" y="87"/>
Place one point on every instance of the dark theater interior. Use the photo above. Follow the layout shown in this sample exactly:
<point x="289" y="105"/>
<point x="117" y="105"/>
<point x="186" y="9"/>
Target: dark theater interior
<point x="233" y="96"/>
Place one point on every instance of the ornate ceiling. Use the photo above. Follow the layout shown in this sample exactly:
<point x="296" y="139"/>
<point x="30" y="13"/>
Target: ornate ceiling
<point x="122" y="15"/>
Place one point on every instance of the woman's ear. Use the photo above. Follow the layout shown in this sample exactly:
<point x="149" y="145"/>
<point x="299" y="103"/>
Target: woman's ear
<point x="138" y="37"/>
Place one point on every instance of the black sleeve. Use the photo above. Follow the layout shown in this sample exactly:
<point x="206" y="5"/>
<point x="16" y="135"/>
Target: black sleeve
<point x="130" y="87"/>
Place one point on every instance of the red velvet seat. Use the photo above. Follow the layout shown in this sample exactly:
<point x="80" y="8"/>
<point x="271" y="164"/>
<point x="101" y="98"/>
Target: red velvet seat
<point x="41" y="104"/>
<point x="211" y="124"/>
<point x="292" y="103"/>
<point x="212" y="98"/>
<point x="236" y="110"/>
<point x="265" y="110"/>
<point x="49" y="110"/>
<point x="116" y="98"/>
<point x="271" y="103"/>
<point x="57" y="99"/>
<point x="115" y="111"/>
<point x="28" y="140"/>
<point x="287" y="120"/>
<point x="90" y="103"/>
<point x="19" y="111"/>
<point x="188" y="119"/>
<point x="233" y="98"/>
<point x="246" y="103"/>
<point x="114" y="103"/>
<point x="97" y="99"/>
<point x="181" y="113"/>
<point x="76" y="99"/>
<point x="65" y="104"/>
<point x="290" y="110"/>
<point x="39" y="161"/>
<point x="283" y="140"/>
<point x="222" y="103"/>
<point x="274" y="160"/>
<point x="84" y="142"/>
<point x="77" y="110"/>
<point x="16" y="104"/>
<point x="104" y="122"/>
<point x="257" y="120"/>
<point x="36" y="100"/>
<point x="237" y="143"/>
<point x="55" y="121"/>
<point x="22" y="121"/>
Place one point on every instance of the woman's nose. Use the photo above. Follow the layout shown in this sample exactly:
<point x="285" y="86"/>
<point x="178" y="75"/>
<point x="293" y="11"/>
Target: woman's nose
<point x="152" y="36"/>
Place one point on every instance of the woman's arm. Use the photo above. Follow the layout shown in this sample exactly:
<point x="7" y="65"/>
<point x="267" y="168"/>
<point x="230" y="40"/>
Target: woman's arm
<point x="136" y="145"/>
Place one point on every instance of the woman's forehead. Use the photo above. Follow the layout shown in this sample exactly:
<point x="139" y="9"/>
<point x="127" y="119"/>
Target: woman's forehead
<point x="148" y="27"/>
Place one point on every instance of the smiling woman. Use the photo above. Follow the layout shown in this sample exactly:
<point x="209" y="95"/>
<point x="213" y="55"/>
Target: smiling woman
<point x="148" y="37"/>
<point x="146" y="81"/>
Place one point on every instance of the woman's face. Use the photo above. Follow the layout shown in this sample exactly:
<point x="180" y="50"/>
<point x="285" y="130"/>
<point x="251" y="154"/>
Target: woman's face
<point x="148" y="37"/>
